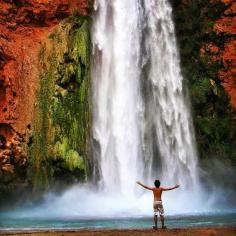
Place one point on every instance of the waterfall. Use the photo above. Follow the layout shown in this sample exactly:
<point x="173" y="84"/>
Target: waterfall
<point x="116" y="73"/>
<point x="142" y="124"/>
<point x="169" y="135"/>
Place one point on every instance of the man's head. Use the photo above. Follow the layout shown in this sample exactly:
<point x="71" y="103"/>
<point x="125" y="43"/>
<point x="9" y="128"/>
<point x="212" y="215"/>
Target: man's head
<point x="157" y="183"/>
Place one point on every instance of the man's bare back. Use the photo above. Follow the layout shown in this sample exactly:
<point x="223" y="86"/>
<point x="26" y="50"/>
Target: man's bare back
<point x="157" y="192"/>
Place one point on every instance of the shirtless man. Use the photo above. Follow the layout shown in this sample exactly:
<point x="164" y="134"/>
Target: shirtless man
<point x="157" y="203"/>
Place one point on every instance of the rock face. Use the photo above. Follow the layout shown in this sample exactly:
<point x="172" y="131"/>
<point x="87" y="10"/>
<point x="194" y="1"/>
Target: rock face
<point x="24" y="29"/>
<point x="61" y="121"/>
<point x="226" y="24"/>
<point x="206" y="34"/>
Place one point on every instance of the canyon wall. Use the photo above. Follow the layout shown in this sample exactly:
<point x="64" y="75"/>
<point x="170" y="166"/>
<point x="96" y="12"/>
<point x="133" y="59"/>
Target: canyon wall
<point x="44" y="82"/>
<point x="206" y="36"/>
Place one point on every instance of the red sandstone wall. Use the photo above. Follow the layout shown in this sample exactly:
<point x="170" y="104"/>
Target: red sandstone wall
<point x="227" y="24"/>
<point x="24" y="26"/>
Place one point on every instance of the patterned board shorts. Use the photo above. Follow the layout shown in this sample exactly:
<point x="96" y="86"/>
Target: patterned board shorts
<point x="158" y="207"/>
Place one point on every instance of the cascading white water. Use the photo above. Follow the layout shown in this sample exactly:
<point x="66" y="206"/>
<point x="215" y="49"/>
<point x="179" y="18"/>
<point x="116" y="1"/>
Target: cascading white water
<point x="139" y="103"/>
<point x="167" y="111"/>
<point x="116" y="73"/>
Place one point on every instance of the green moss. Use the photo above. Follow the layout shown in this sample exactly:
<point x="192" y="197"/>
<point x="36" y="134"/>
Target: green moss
<point x="61" y="148"/>
<point x="62" y="121"/>
<point x="200" y="90"/>
<point x="73" y="160"/>
<point x="55" y="36"/>
<point x="80" y="49"/>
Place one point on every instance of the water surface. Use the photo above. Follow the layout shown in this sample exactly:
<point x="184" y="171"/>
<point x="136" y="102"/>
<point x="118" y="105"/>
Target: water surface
<point x="226" y="219"/>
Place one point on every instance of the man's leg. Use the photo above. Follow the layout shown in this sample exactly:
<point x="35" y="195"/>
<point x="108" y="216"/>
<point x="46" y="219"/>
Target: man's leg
<point x="162" y="222"/>
<point x="155" y="221"/>
<point x="161" y="209"/>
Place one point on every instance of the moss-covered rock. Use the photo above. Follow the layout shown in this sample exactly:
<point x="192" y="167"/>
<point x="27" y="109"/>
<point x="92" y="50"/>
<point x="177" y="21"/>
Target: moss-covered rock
<point x="199" y="45"/>
<point x="62" y="119"/>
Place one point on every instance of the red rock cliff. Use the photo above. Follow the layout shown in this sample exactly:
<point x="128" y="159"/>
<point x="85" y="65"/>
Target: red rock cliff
<point x="24" y="26"/>
<point x="227" y="24"/>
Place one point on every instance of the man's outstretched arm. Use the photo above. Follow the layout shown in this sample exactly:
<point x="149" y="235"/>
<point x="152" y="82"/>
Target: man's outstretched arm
<point x="167" y="189"/>
<point x="144" y="185"/>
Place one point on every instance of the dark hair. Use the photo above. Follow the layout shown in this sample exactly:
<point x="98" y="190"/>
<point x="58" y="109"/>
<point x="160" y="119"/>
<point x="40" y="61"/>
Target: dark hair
<point x="157" y="183"/>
